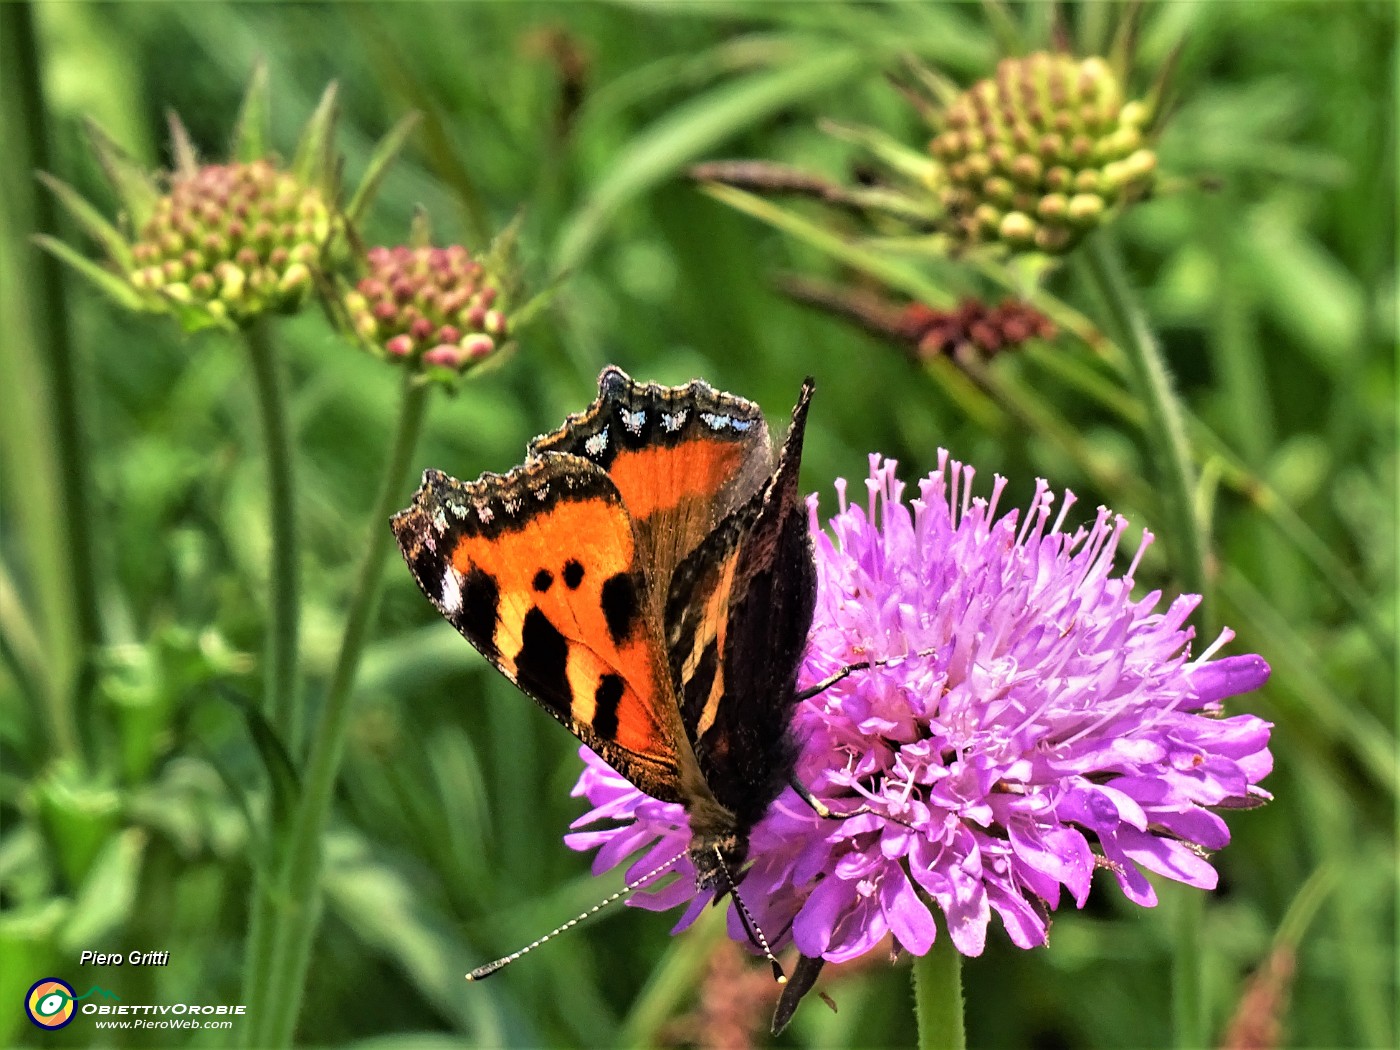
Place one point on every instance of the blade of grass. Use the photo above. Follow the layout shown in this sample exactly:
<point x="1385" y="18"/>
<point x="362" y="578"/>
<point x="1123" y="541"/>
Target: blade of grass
<point x="1209" y="447"/>
<point x="1316" y="708"/>
<point x="877" y="265"/>
<point x="692" y="129"/>
<point x="68" y="568"/>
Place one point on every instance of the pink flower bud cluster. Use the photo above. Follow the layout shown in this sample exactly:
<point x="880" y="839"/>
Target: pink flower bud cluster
<point x="437" y="306"/>
<point x="233" y="239"/>
<point x="1035" y="155"/>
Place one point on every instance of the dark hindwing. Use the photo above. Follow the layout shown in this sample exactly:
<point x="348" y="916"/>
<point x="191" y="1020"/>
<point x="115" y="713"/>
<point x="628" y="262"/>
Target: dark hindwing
<point x="539" y="570"/>
<point x="737" y="616"/>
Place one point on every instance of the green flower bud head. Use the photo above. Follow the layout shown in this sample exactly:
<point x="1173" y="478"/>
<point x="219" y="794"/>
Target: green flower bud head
<point x="228" y="238"/>
<point x="1039" y="154"/>
<point x="220" y="244"/>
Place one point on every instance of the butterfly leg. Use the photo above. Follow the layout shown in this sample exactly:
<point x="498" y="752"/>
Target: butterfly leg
<point x="849" y="669"/>
<point x="827" y="683"/>
<point x="822" y="809"/>
<point x="827" y="813"/>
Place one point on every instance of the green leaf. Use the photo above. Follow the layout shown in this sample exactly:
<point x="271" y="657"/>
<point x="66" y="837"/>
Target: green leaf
<point x="389" y="913"/>
<point x="108" y="897"/>
<point x="135" y="188"/>
<point x="1005" y="30"/>
<point x="695" y="127"/>
<point x="250" y="130"/>
<point x="384" y="153"/>
<point x="501" y="260"/>
<point x="80" y="815"/>
<point x="420" y="228"/>
<point x="919" y="167"/>
<point x="314" y="161"/>
<point x="28" y="930"/>
<point x="195" y="317"/>
<point x="1308" y="291"/>
<point x="528" y="310"/>
<point x="875" y="264"/>
<point x="186" y="159"/>
<point x="94" y="224"/>
<point x="281" y="774"/>
<point x="112" y="286"/>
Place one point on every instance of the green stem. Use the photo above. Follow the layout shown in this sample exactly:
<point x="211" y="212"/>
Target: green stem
<point x="64" y="566"/>
<point x="1189" y="1023"/>
<point x="1165" y="430"/>
<point x="264" y="914"/>
<point x="1186" y="540"/>
<point x="279" y="673"/>
<point x="297" y="896"/>
<point x="938" y="996"/>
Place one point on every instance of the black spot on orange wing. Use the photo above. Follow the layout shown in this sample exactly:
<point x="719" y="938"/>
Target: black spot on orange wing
<point x="544" y="579"/>
<point x="541" y="664"/>
<point x="481" y="602"/>
<point x="477" y="549"/>
<point x="620" y="606"/>
<point x="682" y="458"/>
<point x="573" y="574"/>
<point x="606" y="698"/>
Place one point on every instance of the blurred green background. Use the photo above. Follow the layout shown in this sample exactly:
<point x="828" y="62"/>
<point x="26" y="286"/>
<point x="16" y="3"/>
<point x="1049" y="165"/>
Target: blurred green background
<point x="1271" y="289"/>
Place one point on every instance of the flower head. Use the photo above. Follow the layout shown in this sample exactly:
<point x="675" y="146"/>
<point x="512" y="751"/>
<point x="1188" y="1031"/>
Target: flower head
<point x="1036" y="155"/>
<point x="222" y="243"/>
<point x="434" y="307"/>
<point x="1032" y="722"/>
<point x="235" y="240"/>
<point x="973" y="324"/>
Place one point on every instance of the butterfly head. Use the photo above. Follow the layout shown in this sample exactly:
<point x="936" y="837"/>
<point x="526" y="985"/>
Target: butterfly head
<point x="718" y="860"/>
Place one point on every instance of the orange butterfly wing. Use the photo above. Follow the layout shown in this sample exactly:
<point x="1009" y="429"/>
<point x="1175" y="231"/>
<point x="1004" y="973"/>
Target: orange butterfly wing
<point x="538" y="569"/>
<point x="682" y="459"/>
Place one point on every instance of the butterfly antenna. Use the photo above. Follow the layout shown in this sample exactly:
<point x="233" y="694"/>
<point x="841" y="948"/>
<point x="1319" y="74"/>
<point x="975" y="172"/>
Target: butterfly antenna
<point x="751" y="926"/>
<point x="482" y="972"/>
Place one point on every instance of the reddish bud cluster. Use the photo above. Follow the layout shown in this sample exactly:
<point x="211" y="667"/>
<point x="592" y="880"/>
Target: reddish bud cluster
<point x="234" y="239"/>
<point x="434" y="305"/>
<point x="989" y="329"/>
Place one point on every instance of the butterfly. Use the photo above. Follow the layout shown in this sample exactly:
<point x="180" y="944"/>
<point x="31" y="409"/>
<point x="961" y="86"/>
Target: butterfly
<point x="647" y="577"/>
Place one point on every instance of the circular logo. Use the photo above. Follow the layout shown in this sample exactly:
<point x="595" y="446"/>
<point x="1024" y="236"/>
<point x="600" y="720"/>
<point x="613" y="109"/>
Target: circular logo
<point x="49" y="1003"/>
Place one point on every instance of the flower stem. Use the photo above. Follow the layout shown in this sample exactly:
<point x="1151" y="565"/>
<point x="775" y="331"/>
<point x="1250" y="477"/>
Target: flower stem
<point x="1186" y="539"/>
<point x="1190" y="1027"/>
<point x="297" y="896"/>
<point x="279" y="678"/>
<point x="1166" y="431"/>
<point x="938" y="996"/>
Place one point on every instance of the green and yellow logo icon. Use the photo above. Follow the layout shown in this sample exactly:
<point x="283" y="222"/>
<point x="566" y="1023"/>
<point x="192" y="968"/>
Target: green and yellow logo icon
<point x="49" y="1003"/>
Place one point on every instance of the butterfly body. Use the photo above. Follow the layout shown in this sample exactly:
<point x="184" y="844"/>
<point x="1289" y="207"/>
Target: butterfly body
<point x="646" y="576"/>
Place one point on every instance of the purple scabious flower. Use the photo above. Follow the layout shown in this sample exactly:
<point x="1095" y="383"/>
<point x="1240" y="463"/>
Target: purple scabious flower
<point x="1033" y="722"/>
